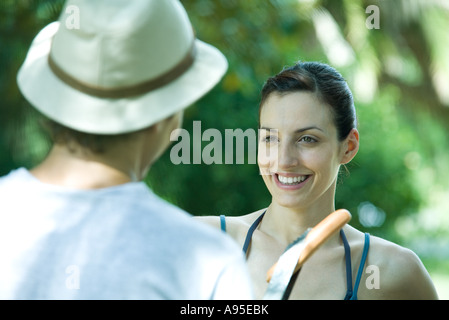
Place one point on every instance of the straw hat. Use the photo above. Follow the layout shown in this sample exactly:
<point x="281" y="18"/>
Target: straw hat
<point x="123" y="66"/>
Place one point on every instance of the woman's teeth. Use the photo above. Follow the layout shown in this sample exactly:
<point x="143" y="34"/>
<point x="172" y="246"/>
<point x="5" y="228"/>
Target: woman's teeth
<point x="291" y="180"/>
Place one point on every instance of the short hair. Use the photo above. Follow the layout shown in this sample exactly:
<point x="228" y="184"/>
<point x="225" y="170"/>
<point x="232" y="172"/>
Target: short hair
<point x="96" y="143"/>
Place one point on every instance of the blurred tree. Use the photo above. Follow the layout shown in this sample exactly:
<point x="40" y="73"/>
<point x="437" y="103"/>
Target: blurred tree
<point x="22" y="143"/>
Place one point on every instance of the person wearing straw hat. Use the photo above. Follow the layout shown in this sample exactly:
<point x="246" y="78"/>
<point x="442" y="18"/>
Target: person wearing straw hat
<point x="82" y="224"/>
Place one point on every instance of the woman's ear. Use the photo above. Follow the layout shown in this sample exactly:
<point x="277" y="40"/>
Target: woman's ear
<point x="350" y="146"/>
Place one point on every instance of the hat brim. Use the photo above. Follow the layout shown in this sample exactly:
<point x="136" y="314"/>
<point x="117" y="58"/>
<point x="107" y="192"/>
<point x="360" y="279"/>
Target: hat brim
<point x="90" y="114"/>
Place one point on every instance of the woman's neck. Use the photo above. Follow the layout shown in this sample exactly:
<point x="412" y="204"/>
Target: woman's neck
<point x="287" y="224"/>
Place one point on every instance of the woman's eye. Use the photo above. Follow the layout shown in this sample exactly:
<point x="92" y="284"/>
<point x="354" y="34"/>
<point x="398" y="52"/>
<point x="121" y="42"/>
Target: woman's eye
<point x="307" y="139"/>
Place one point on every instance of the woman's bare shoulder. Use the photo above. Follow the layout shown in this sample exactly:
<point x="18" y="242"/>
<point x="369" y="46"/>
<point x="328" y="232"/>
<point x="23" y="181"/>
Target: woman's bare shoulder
<point x="400" y="272"/>
<point x="236" y="226"/>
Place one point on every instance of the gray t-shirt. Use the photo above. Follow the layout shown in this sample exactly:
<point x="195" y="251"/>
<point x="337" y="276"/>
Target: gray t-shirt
<point x="122" y="242"/>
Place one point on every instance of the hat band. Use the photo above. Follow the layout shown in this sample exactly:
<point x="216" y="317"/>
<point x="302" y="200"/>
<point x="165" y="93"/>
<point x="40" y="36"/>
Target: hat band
<point x="125" y="92"/>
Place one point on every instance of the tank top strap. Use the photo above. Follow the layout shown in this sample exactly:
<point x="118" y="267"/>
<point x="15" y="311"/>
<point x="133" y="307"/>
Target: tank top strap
<point x="361" y="266"/>
<point x="348" y="265"/>
<point x="223" y="223"/>
<point x="251" y="229"/>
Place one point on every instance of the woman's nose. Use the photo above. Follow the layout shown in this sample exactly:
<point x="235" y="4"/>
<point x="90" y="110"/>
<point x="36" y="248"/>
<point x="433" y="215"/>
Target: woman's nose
<point x="287" y="156"/>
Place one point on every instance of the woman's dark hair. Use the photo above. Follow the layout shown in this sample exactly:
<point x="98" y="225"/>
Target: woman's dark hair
<point x="323" y="80"/>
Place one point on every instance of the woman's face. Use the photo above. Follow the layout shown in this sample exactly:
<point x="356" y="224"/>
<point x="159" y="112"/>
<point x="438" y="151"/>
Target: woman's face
<point x="299" y="154"/>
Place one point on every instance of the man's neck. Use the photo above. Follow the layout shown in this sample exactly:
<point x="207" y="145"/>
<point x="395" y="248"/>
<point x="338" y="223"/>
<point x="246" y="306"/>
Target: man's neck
<point x="76" y="170"/>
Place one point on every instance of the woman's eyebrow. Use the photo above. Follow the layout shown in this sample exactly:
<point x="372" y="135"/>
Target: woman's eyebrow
<point x="297" y="131"/>
<point x="308" y="128"/>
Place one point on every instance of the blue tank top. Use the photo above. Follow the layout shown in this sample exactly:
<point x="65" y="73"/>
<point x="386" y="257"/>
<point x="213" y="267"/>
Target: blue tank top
<point x="351" y="292"/>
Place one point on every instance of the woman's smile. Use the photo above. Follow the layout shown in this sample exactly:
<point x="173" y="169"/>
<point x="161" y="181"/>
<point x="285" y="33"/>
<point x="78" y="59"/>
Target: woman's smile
<point x="289" y="181"/>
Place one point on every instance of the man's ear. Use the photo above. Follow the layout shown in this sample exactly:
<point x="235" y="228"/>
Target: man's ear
<point x="351" y="146"/>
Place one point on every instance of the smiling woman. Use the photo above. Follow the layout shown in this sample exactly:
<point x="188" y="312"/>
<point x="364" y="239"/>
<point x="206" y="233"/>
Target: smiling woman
<point x="305" y="147"/>
<point x="308" y="131"/>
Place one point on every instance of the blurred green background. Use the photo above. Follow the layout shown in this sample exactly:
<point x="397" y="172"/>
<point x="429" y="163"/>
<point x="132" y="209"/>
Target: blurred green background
<point x="398" y="184"/>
